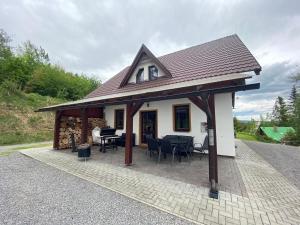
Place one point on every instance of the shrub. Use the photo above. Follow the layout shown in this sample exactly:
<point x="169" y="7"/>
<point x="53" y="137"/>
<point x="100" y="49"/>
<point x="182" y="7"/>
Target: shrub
<point x="291" y="138"/>
<point x="9" y="88"/>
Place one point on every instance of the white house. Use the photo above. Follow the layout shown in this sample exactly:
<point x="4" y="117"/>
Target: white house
<point x="181" y="93"/>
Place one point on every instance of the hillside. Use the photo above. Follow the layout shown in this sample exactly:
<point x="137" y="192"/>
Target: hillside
<point x="18" y="121"/>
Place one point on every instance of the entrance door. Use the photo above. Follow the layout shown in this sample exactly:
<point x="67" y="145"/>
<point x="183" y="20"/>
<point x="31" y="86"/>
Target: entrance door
<point x="148" y="123"/>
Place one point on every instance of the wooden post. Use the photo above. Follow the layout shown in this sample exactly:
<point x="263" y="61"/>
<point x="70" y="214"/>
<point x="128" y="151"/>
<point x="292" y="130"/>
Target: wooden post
<point x="131" y="110"/>
<point x="128" y="140"/>
<point x="56" y="129"/>
<point x="207" y="104"/>
<point x="84" y="125"/>
<point x="213" y="144"/>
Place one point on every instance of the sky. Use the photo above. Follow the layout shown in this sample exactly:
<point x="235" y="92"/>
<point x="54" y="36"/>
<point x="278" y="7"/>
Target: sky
<point x="99" y="38"/>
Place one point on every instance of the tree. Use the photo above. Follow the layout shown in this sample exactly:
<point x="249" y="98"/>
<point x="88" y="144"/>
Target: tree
<point x="292" y="103"/>
<point x="280" y="112"/>
<point x="297" y="118"/>
<point x="33" y="55"/>
<point x="296" y="77"/>
<point x="5" y="49"/>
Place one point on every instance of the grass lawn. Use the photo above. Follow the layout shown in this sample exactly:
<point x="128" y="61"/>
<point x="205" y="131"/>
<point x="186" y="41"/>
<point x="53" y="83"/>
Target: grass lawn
<point x="246" y="136"/>
<point x="20" y="124"/>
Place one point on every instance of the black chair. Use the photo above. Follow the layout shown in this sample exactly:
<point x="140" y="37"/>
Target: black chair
<point x="153" y="147"/>
<point x="185" y="147"/>
<point x="122" y="139"/>
<point x="201" y="147"/>
<point x="166" y="148"/>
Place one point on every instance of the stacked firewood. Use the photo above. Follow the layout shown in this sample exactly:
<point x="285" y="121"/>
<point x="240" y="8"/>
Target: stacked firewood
<point x="69" y="125"/>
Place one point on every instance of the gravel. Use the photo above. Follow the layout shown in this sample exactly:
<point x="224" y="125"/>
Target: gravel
<point x="34" y="193"/>
<point x="284" y="158"/>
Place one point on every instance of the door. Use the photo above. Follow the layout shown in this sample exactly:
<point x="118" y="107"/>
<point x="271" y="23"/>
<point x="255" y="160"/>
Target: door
<point x="148" y="123"/>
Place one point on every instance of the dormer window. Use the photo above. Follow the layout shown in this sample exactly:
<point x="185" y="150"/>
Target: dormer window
<point x="153" y="72"/>
<point x="140" y="76"/>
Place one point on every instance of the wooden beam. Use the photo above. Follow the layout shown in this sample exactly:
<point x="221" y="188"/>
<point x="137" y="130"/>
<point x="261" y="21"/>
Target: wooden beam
<point x="56" y="129"/>
<point x="131" y="110"/>
<point x="199" y="103"/>
<point x="129" y="129"/>
<point x="136" y="107"/>
<point x="158" y="96"/>
<point x="213" y="144"/>
<point x="207" y="104"/>
<point x="84" y="125"/>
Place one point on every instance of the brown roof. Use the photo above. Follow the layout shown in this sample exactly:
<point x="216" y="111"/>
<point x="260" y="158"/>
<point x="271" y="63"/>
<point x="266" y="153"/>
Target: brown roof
<point x="223" y="56"/>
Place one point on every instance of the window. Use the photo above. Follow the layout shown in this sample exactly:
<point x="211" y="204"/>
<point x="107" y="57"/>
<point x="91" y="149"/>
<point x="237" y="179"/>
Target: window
<point x="119" y="119"/>
<point x="181" y="117"/>
<point x="140" y="76"/>
<point x="153" y="72"/>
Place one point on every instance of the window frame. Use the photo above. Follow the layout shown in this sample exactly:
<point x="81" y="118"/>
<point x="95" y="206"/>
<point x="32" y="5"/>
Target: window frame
<point x="150" y="77"/>
<point x="189" y="118"/>
<point x="115" y="119"/>
<point x="138" y="75"/>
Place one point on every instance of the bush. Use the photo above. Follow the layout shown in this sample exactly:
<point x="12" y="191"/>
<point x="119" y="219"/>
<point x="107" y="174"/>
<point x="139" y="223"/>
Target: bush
<point x="291" y="138"/>
<point x="9" y="88"/>
<point x="53" y="81"/>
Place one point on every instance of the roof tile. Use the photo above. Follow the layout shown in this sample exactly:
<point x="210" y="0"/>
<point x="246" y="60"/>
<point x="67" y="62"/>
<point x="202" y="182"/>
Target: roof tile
<point x="227" y="55"/>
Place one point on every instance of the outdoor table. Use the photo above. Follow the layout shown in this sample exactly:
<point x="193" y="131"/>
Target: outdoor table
<point x="176" y="142"/>
<point x="112" y="144"/>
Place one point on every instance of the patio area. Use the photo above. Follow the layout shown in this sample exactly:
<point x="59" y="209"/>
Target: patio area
<point x="193" y="171"/>
<point x="269" y="198"/>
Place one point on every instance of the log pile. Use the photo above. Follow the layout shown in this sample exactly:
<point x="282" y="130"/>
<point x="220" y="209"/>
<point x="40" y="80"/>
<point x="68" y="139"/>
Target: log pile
<point x="70" y="125"/>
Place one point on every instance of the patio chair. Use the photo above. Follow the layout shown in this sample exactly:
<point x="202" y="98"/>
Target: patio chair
<point x="153" y="147"/>
<point x="96" y="135"/>
<point x="185" y="148"/>
<point x="166" y="148"/>
<point x="201" y="147"/>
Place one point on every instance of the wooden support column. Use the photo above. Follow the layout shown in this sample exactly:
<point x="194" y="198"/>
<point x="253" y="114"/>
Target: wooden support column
<point x="213" y="143"/>
<point x="131" y="109"/>
<point x="56" y="129"/>
<point x="207" y="104"/>
<point x="84" y="125"/>
<point x="128" y="140"/>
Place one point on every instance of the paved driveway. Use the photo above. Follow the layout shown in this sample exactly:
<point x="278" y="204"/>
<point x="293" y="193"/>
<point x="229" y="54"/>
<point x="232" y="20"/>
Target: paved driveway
<point x="286" y="159"/>
<point x="34" y="193"/>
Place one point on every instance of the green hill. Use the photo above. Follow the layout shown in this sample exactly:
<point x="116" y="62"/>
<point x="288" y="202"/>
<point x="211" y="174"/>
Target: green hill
<point x="18" y="121"/>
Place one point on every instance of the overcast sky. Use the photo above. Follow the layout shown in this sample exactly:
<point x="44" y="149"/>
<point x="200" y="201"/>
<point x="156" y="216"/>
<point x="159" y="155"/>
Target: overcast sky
<point x="101" y="37"/>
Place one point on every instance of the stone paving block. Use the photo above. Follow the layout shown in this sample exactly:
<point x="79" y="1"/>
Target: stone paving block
<point x="268" y="201"/>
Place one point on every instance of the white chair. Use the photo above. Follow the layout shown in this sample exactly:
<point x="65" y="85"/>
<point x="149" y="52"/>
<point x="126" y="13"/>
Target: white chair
<point x="96" y="135"/>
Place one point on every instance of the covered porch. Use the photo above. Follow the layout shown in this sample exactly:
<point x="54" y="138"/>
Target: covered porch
<point x="194" y="171"/>
<point x="203" y="96"/>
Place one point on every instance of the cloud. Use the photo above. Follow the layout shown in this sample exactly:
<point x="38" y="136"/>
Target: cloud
<point x="101" y="37"/>
<point x="275" y="81"/>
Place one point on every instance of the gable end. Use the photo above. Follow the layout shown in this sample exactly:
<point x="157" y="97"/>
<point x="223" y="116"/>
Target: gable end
<point x="142" y="53"/>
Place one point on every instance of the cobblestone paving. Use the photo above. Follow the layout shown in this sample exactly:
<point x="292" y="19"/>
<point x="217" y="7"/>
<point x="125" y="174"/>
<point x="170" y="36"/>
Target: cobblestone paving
<point x="272" y="199"/>
<point x="268" y="190"/>
<point x="284" y="158"/>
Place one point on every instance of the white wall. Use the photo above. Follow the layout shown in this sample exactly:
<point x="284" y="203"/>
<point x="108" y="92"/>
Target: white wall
<point x="224" y="124"/>
<point x="164" y="118"/>
<point x="224" y="121"/>
<point x="109" y="113"/>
